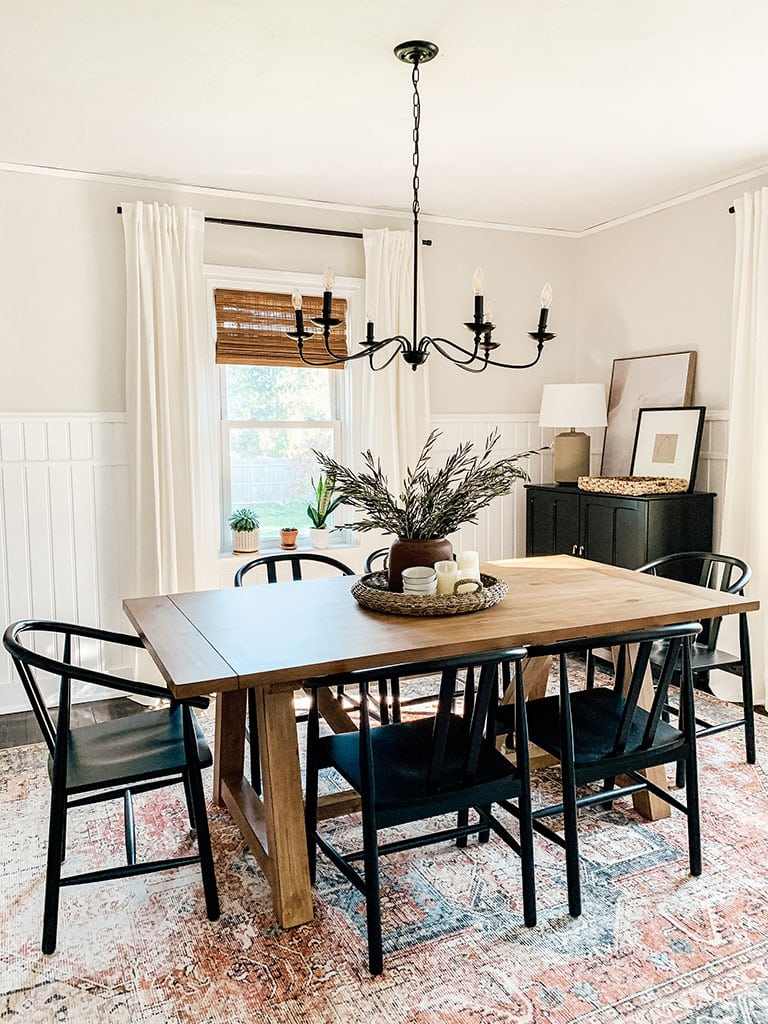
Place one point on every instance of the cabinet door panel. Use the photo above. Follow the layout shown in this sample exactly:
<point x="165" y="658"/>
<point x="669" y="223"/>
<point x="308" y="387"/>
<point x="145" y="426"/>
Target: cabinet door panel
<point x="613" y="531"/>
<point x="552" y="523"/>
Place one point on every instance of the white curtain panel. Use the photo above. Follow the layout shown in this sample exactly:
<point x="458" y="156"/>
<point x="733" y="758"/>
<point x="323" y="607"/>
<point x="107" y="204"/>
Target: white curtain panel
<point x="169" y="389"/>
<point x="391" y="407"/>
<point x="744" y="531"/>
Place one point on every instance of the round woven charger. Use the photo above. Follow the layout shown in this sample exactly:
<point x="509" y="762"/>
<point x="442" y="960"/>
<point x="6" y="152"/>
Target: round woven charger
<point x="372" y="592"/>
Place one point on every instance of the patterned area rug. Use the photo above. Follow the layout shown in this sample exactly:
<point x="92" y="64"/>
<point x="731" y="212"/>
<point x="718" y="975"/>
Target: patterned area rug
<point x="653" y="945"/>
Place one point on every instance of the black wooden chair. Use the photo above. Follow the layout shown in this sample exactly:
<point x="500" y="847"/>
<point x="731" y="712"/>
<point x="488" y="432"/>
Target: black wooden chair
<point x="268" y="564"/>
<point x="729" y="575"/>
<point x="108" y="760"/>
<point x="600" y="733"/>
<point x="411" y="771"/>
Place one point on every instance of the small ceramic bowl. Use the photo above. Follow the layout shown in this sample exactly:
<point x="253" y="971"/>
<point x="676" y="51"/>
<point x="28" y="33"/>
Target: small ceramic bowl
<point x="419" y="575"/>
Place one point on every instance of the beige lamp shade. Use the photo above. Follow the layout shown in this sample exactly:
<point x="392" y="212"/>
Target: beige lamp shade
<point x="572" y="405"/>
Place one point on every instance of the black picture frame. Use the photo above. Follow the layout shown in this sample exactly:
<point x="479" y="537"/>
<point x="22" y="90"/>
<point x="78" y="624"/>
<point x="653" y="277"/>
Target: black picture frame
<point x="667" y="442"/>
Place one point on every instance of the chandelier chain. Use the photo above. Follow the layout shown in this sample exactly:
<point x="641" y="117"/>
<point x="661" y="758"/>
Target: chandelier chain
<point x="416" y="123"/>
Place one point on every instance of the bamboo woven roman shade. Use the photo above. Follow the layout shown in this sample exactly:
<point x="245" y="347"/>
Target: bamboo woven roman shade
<point x="251" y="326"/>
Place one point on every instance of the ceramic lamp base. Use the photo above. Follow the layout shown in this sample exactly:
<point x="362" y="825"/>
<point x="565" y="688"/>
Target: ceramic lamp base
<point x="571" y="457"/>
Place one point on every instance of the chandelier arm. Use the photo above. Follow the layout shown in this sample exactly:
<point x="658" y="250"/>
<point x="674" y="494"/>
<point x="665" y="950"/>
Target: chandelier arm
<point x="471" y="356"/>
<point x="519" y="366"/>
<point x="395" y="353"/>
<point x="370" y="350"/>
<point x="476" y="364"/>
<point x="486" y="360"/>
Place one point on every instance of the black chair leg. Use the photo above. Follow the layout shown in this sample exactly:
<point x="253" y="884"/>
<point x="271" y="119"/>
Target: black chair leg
<point x="64" y="839"/>
<point x="462" y="820"/>
<point x="485" y="833"/>
<point x="253" y="742"/>
<point x="394" y="685"/>
<point x="692" y="804"/>
<point x="188" y="798"/>
<point x="572" y="872"/>
<point x="207" y="869"/>
<point x="527" y="864"/>
<point x="372" y="893"/>
<point x="383" y="702"/>
<point x="590" y="670"/>
<point x="608" y="785"/>
<point x="56" y="828"/>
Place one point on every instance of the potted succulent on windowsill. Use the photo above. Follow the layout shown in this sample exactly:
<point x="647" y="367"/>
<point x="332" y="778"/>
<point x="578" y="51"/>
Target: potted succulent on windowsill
<point x="431" y="504"/>
<point x="322" y="508"/>
<point x="245" y="530"/>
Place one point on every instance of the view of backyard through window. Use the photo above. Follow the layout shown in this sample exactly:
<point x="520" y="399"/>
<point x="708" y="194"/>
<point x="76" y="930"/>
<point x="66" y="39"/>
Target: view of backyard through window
<point x="274" y="416"/>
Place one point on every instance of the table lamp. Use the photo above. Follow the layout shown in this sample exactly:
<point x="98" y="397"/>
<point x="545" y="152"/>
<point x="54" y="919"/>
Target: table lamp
<point x="572" y="405"/>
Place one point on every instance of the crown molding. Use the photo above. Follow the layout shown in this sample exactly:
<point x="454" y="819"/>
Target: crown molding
<point x="305" y="204"/>
<point x="373" y="211"/>
<point x="685" y="197"/>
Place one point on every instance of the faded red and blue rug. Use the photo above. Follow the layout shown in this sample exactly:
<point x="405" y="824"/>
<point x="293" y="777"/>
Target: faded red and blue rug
<point x="653" y="945"/>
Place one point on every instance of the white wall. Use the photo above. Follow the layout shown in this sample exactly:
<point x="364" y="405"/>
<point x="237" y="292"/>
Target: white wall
<point x="62" y="288"/>
<point x="662" y="283"/>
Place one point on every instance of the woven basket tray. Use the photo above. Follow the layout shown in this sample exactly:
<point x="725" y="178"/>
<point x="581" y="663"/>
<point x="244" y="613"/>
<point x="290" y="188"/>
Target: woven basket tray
<point x="372" y="592"/>
<point x="633" y="485"/>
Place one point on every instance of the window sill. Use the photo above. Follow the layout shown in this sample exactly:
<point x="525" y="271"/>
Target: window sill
<point x="349" y="552"/>
<point x="267" y="548"/>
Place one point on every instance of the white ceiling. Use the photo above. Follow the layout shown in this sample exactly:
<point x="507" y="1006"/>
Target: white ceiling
<point x="541" y="113"/>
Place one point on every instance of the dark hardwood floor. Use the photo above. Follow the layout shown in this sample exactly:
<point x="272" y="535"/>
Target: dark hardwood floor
<point x="21" y="728"/>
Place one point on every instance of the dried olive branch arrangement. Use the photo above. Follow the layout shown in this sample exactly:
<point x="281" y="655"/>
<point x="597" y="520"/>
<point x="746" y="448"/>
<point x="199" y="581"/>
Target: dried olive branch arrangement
<point x="431" y="503"/>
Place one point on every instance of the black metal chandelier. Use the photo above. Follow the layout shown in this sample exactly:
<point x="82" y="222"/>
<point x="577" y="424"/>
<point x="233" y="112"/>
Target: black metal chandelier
<point x="415" y="352"/>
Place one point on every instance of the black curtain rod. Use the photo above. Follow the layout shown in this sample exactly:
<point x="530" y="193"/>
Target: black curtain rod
<point x="287" y="227"/>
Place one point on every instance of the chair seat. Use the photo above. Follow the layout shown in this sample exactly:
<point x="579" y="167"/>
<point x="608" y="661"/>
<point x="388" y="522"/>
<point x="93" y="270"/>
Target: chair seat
<point x="129" y="750"/>
<point x="702" y="660"/>
<point x="596" y="715"/>
<point x="401" y="756"/>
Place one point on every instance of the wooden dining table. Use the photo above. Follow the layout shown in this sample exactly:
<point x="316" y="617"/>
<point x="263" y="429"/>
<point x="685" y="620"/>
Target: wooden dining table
<point x="272" y="638"/>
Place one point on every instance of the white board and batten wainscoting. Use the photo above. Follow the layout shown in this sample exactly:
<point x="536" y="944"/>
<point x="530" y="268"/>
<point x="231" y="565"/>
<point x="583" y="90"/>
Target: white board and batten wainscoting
<point x="63" y="522"/>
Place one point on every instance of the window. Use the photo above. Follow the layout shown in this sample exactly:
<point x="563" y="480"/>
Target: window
<point x="274" y="409"/>
<point x="272" y="418"/>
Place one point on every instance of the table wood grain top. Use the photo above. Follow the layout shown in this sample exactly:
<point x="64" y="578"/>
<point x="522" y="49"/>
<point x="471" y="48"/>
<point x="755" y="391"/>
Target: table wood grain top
<point x="277" y="635"/>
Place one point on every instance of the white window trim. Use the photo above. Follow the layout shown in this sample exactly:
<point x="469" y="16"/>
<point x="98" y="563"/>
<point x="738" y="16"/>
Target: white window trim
<point x="250" y="279"/>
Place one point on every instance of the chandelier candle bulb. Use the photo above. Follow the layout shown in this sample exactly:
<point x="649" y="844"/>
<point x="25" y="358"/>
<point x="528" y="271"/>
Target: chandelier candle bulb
<point x="477" y="287"/>
<point x="296" y="299"/>
<point x="369" y="327"/>
<point x="328" y="292"/>
<point x="546" y="299"/>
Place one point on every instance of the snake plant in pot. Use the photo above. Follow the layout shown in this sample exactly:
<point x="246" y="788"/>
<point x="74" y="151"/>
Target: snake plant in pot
<point x="432" y="503"/>
<point x="320" y="510"/>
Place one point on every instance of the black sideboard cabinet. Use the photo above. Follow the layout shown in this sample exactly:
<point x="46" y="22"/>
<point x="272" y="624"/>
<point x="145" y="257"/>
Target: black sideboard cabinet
<point x="619" y="530"/>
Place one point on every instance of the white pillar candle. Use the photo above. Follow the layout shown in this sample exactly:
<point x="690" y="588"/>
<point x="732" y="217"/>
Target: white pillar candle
<point x="468" y="564"/>
<point x="447" y="574"/>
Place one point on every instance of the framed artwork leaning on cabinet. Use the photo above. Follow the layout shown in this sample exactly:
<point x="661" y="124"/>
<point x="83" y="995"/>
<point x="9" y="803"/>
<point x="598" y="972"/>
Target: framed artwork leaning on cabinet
<point x="661" y="381"/>
<point x="667" y="443"/>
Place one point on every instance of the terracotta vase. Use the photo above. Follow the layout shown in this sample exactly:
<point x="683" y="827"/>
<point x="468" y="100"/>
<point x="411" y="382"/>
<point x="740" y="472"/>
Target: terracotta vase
<point x="288" y="539"/>
<point x="405" y="553"/>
